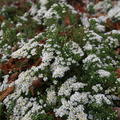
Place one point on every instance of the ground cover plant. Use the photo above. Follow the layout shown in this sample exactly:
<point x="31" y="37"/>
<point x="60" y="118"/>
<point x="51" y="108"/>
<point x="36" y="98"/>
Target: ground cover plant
<point x="59" y="60"/>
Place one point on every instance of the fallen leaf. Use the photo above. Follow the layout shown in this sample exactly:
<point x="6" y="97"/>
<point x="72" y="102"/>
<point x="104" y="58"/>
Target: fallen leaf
<point x="96" y="1"/>
<point x="1" y="55"/>
<point x="53" y="114"/>
<point x="117" y="51"/>
<point x="67" y="20"/>
<point x="6" y="92"/>
<point x="37" y="83"/>
<point x="32" y="90"/>
<point x="38" y="62"/>
<point x="2" y="18"/>
<point x="42" y="42"/>
<point x="13" y="77"/>
<point x="64" y="33"/>
<point x="117" y="25"/>
<point x="80" y="8"/>
<point x="112" y="25"/>
<point x="118" y="72"/>
<point x="79" y="5"/>
<point x="40" y="29"/>
<point x="117" y="109"/>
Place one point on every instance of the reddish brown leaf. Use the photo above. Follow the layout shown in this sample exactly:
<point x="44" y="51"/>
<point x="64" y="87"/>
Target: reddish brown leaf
<point x="118" y="72"/>
<point x="14" y="48"/>
<point x="112" y="25"/>
<point x="13" y="77"/>
<point x="67" y="20"/>
<point x="2" y="18"/>
<point x="37" y="83"/>
<point x="6" y="92"/>
<point x="117" y="109"/>
<point x="32" y="90"/>
<point x="96" y="1"/>
<point x="42" y="41"/>
<point x="53" y="114"/>
<point x="80" y="8"/>
<point x="117" y="51"/>
<point x="40" y="29"/>
<point x="38" y="62"/>
<point x="64" y="33"/>
<point x="117" y="25"/>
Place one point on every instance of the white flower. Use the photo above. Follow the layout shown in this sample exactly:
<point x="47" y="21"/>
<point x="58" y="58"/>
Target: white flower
<point x="33" y="51"/>
<point x="47" y="56"/>
<point x="85" y="21"/>
<point x="43" y="2"/>
<point x="65" y="89"/>
<point x="59" y="71"/>
<point x="80" y="97"/>
<point x="103" y="73"/>
<point x="51" y="97"/>
<point x="91" y="58"/>
<point x="118" y="80"/>
<point x="82" y="116"/>
<point x="114" y="12"/>
<point x="75" y="48"/>
<point x="74" y="111"/>
<point x="88" y="46"/>
<point x="33" y="9"/>
<point x="97" y="87"/>
<point x="100" y="98"/>
<point x="101" y="28"/>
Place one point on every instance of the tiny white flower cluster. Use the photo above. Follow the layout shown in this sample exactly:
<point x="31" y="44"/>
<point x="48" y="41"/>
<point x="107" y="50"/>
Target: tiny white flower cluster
<point x="51" y="97"/>
<point x="88" y="46"/>
<point x="80" y="97"/>
<point x="104" y="5"/>
<point x="43" y="2"/>
<point x="75" y="48"/>
<point x="70" y="84"/>
<point x="22" y="84"/>
<point x="59" y="70"/>
<point x="4" y="85"/>
<point x="60" y="65"/>
<point x="100" y="28"/>
<point x="112" y="42"/>
<point x="91" y="58"/>
<point x="100" y="98"/>
<point x="24" y="81"/>
<point x="97" y="88"/>
<point x="24" y="108"/>
<point x="72" y="109"/>
<point x="118" y="80"/>
<point x="33" y="9"/>
<point x="1" y="33"/>
<point x="92" y="36"/>
<point x="51" y="13"/>
<point x="24" y="51"/>
<point x="103" y="73"/>
<point x="115" y="12"/>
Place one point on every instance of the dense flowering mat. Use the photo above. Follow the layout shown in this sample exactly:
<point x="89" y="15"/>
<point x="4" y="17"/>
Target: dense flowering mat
<point x="59" y="60"/>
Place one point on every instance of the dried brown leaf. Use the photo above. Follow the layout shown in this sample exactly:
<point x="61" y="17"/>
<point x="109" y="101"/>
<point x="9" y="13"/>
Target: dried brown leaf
<point x="13" y="77"/>
<point x="6" y="92"/>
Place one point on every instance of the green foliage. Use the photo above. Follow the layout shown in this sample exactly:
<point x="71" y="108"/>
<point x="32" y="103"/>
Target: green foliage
<point x="2" y="112"/>
<point x="62" y="36"/>
<point x="9" y="37"/>
<point x="91" y="9"/>
<point x="10" y="110"/>
<point x="102" y="112"/>
<point x="42" y="117"/>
